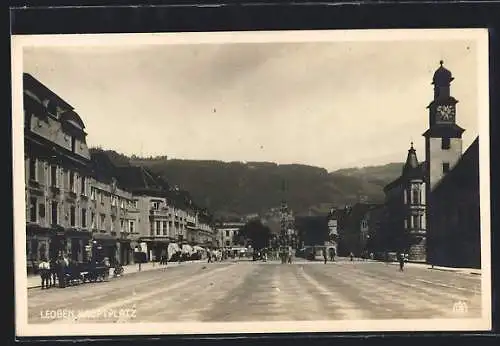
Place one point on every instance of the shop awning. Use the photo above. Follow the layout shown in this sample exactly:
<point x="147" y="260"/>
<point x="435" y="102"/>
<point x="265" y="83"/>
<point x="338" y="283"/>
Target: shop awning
<point x="187" y="249"/>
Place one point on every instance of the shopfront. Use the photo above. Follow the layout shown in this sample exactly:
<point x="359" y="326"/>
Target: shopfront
<point x="38" y="241"/>
<point x="105" y="246"/>
<point x="125" y="252"/>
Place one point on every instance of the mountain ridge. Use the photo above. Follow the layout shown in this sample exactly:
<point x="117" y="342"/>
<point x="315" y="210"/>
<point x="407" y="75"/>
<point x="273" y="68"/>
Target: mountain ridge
<point x="231" y="189"/>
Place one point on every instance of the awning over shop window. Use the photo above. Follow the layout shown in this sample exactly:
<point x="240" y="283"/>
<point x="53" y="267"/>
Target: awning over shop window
<point x="173" y="248"/>
<point x="187" y="249"/>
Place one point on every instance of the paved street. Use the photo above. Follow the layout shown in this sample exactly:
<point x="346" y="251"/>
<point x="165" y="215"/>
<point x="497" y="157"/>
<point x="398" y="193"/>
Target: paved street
<point x="256" y="291"/>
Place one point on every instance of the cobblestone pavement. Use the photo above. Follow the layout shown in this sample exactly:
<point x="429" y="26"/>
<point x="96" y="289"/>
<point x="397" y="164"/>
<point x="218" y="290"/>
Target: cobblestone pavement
<point x="270" y="291"/>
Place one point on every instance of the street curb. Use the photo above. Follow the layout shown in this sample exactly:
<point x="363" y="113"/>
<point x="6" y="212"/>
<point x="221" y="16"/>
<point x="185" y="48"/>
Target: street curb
<point x="142" y="271"/>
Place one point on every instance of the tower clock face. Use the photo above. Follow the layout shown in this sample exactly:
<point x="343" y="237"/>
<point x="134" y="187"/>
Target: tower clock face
<point x="445" y="112"/>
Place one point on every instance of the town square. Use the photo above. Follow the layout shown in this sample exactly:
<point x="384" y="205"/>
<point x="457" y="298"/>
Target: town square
<point x="220" y="183"/>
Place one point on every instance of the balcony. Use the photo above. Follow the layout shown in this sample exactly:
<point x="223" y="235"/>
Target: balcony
<point x="158" y="212"/>
<point x="36" y="187"/>
<point x="417" y="232"/>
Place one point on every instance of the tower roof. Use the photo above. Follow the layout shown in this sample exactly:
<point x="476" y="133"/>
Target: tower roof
<point x="442" y="76"/>
<point x="411" y="167"/>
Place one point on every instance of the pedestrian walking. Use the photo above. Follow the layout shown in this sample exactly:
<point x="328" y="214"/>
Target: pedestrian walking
<point x="332" y="254"/>
<point x="325" y="258"/>
<point x="209" y="256"/>
<point x="401" y="262"/>
<point x="44" y="270"/>
<point x="351" y="256"/>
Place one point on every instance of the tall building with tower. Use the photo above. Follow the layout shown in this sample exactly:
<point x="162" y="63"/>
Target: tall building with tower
<point x="443" y="139"/>
<point x="452" y="181"/>
<point x="409" y="199"/>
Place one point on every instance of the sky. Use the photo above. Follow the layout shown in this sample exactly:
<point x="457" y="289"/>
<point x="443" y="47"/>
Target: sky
<point x="328" y="104"/>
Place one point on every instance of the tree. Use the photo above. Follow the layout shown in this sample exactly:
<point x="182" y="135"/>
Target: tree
<point x="256" y="233"/>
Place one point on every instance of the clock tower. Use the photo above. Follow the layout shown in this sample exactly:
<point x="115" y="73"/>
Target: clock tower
<point x="443" y="139"/>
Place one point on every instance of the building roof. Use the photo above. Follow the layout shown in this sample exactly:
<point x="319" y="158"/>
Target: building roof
<point x="412" y="169"/>
<point x="42" y="92"/>
<point x="444" y="130"/>
<point x="442" y="76"/>
<point x="102" y="167"/>
<point x="139" y="179"/>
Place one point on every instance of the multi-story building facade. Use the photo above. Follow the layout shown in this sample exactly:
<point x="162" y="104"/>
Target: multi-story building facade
<point x="77" y="200"/>
<point x="406" y="205"/>
<point x="227" y="232"/>
<point x="157" y="224"/>
<point x="57" y="176"/>
<point x="113" y="211"/>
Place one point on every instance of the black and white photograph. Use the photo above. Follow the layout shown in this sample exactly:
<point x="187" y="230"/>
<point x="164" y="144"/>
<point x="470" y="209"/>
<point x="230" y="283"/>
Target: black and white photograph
<point x="251" y="182"/>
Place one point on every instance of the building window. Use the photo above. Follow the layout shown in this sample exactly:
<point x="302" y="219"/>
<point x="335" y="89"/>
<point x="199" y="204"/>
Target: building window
<point x="101" y="197"/>
<point x="131" y="226"/>
<point x="92" y="194"/>
<point x="92" y="220"/>
<point x="32" y="209"/>
<point x="113" y="200"/>
<point x="446" y="167"/>
<point x="103" y="222"/>
<point x="417" y="221"/>
<point x="73" y="144"/>
<point x="227" y="243"/>
<point x="32" y="169"/>
<point x="416" y="196"/>
<point x="158" y="225"/>
<point x="122" y="224"/>
<point x="445" y="143"/>
<point x="72" y="215"/>
<point x="55" y="215"/>
<point x="164" y="227"/>
<point x="53" y="176"/>
<point x="41" y="209"/>
<point x="72" y="182"/>
<point x="227" y="233"/>
<point x="155" y="205"/>
<point x="84" y="218"/>
<point x="122" y="204"/>
<point x="83" y="187"/>
<point x="112" y="223"/>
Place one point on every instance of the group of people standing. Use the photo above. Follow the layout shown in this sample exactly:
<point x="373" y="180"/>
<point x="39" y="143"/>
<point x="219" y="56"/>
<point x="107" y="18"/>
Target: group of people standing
<point x="53" y="270"/>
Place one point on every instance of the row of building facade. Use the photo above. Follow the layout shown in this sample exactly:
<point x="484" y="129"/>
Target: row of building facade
<point x="432" y="211"/>
<point x="77" y="199"/>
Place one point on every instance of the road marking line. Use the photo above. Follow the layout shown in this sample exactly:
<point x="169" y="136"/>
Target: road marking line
<point x="345" y="307"/>
<point x="111" y="306"/>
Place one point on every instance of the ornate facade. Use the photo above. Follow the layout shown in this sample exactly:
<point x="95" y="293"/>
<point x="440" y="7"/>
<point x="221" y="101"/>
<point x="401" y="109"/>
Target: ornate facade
<point x="57" y="176"/>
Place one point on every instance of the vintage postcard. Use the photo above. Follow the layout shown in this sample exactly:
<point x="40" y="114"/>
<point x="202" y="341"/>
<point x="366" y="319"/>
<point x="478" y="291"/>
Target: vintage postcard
<point x="251" y="182"/>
